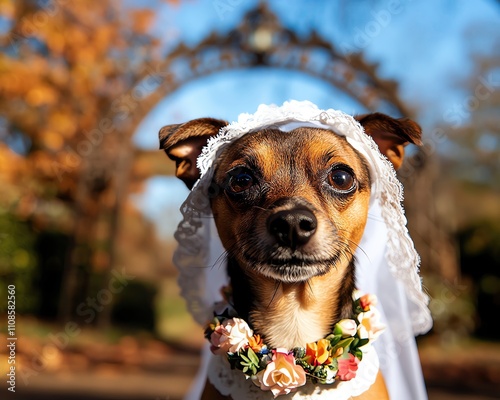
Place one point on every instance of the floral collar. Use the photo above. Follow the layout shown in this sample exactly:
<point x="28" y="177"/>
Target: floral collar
<point x="281" y="371"/>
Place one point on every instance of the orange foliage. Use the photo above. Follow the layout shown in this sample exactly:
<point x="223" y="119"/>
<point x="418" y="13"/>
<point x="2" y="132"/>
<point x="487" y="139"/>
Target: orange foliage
<point x="63" y="66"/>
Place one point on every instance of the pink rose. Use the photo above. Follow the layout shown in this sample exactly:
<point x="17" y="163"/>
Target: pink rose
<point x="347" y="367"/>
<point x="370" y="326"/>
<point x="281" y="375"/>
<point x="232" y="336"/>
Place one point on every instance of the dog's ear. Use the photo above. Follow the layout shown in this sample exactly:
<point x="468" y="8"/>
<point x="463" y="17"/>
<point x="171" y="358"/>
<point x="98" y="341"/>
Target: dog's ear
<point x="183" y="144"/>
<point x="391" y="134"/>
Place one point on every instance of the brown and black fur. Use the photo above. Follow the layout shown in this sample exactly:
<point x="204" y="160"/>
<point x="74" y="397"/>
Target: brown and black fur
<point x="289" y="221"/>
<point x="289" y="171"/>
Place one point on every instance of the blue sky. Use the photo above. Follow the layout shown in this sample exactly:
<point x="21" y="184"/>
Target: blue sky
<point x="427" y="46"/>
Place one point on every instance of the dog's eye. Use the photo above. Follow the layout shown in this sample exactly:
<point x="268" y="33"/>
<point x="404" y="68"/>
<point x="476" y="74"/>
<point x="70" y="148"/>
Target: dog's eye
<point x="341" y="180"/>
<point x="240" y="181"/>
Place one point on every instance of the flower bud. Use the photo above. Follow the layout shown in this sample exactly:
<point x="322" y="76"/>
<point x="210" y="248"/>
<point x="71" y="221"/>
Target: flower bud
<point x="346" y="327"/>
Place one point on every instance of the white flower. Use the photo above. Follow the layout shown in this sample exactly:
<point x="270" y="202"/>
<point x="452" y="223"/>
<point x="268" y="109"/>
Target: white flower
<point x="231" y="336"/>
<point x="330" y="375"/>
<point x="347" y="327"/>
<point x="370" y="326"/>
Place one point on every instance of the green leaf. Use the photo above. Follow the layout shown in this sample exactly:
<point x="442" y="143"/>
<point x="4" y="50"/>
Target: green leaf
<point x="335" y="339"/>
<point x="358" y="354"/>
<point x="299" y="352"/>
<point x="345" y="342"/>
<point x="253" y="357"/>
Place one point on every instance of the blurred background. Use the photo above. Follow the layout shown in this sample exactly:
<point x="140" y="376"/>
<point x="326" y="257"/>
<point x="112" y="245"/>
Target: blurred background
<point x="88" y="205"/>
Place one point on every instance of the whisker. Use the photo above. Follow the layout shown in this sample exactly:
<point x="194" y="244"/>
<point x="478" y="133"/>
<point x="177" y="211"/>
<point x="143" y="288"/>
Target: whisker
<point x="261" y="208"/>
<point x="276" y="287"/>
<point x="206" y="216"/>
<point x="354" y="243"/>
<point x="220" y="260"/>
<point x="202" y="267"/>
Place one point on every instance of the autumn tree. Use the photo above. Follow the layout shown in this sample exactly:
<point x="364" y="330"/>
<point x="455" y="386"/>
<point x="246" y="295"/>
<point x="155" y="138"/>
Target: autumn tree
<point x="452" y="192"/>
<point x="475" y="137"/>
<point x="72" y="77"/>
<point x="475" y="124"/>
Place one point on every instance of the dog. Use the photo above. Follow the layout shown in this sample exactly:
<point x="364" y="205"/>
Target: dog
<point x="290" y="210"/>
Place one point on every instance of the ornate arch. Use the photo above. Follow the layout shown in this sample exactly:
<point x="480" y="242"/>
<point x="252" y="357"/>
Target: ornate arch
<point x="260" y="40"/>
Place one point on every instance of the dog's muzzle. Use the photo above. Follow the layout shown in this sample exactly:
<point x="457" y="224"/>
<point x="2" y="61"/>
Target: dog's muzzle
<point x="292" y="228"/>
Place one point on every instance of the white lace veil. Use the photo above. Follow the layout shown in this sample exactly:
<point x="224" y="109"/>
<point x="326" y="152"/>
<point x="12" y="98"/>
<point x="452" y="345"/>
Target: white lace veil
<point x="387" y="262"/>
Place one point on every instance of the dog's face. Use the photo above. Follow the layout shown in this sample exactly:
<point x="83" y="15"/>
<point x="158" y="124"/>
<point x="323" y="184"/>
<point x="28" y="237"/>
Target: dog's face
<point x="291" y="205"/>
<point x="290" y="209"/>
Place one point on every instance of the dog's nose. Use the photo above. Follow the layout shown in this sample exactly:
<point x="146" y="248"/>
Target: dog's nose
<point x="292" y="228"/>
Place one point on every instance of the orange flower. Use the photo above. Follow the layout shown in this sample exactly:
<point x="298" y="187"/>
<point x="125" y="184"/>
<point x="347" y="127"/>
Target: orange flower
<point x="338" y="352"/>
<point x="367" y="300"/>
<point x="318" y="353"/>
<point x="256" y="343"/>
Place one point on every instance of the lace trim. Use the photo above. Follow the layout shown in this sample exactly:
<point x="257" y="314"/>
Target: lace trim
<point x="193" y="234"/>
